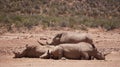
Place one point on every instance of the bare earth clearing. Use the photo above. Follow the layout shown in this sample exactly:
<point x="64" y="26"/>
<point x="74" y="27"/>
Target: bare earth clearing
<point x="104" y="41"/>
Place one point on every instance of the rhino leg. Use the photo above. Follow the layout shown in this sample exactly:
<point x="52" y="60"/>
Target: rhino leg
<point x="57" y="53"/>
<point x="46" y="55"/>
<point x="63" y="58"/>
<point x="60" y="55"/>
<point x="85" y="56"/>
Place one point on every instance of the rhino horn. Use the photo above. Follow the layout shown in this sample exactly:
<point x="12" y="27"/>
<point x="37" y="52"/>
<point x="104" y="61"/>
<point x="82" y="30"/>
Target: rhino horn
<point x="40" y="43"/>
<point x="106" y="54"/>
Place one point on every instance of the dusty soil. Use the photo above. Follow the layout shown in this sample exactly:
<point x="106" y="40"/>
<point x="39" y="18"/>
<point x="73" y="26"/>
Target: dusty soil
<point x="104" y="41"/>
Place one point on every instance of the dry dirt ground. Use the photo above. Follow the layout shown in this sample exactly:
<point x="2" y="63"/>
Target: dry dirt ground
<point x="104" y="41"/>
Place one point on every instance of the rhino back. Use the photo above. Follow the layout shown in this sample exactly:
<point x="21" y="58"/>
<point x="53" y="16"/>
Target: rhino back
<point x="74" y="37"/>
<point x="75" y="51"/>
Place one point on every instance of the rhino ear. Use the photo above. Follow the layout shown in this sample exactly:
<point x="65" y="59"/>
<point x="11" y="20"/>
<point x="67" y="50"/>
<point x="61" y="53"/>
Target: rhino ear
<point x="47" y="43"/>
<point x="60" y="35"/>
<point x="48" y="52"/>
<point x="14" y="52"/>
<point x="26" y="45"/>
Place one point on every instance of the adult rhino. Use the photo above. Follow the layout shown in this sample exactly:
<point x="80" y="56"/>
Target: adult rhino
<point x="31" y="51"/>
<point x="80" y="50"/>
<point x="70" y="37"/>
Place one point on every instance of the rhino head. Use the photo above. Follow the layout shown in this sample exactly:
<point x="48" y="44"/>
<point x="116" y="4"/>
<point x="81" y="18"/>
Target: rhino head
<point x="101" y="56"/>
<point x="56" y="39"/>
<point x="17" y="55"/>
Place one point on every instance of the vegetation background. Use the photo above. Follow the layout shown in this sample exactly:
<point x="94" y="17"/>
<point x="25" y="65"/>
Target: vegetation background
<point x="76" y="14"/>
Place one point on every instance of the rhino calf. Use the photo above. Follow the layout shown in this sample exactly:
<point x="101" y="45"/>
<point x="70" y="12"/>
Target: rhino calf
<point x="31" y="51"/>
<point x="82" y="50"/>
<point x="71" y="38"/>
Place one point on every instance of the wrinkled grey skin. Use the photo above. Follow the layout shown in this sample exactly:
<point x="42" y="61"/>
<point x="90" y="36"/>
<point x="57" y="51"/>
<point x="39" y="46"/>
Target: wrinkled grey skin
<point x="71" y="38"/>
<point x="31" y="51"/>
<point x="82" y="50"/>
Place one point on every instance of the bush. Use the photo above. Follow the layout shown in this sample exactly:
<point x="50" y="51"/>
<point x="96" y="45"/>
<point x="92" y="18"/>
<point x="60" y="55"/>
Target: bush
<point x="75" y="22"/>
